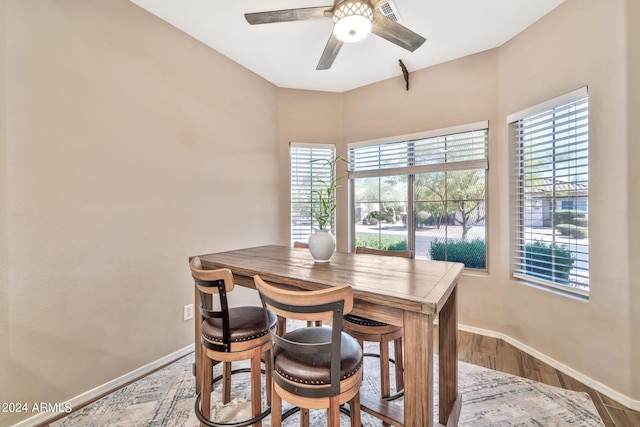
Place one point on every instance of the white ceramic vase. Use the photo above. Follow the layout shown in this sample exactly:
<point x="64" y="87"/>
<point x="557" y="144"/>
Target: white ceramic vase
<point x="322" y="245"/>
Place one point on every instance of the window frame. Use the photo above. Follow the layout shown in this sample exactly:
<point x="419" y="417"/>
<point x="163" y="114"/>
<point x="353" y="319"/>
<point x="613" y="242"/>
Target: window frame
<point x="412" y="170"/>
<point x="518" y="236"/>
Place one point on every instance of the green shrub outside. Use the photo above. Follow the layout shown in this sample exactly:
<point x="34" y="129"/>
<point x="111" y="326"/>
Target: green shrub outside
<point x="385" y="243"/>
<point x="540" y="257"/>
<point x="388" y="216"/>
<point x="471" y="253"/>
<point x="375" y="214"/>
<point x="573" y="230"/>
<point x="425" y="218"/>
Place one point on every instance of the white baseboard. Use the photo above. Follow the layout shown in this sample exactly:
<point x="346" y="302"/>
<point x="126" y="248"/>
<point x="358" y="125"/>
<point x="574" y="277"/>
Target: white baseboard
<point x="607" y="391"/>
<point x="93" y="394"/>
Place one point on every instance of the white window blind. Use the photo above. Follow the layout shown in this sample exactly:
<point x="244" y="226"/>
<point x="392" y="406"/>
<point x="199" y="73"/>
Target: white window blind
<point x="550" y="193"/>
<point x="306" y="172"/>
<point x="445" y="151"/>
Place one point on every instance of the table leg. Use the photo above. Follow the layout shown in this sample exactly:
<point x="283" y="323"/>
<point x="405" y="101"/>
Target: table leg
<point x="418" y="369"/>
<point x="449" y="401"/>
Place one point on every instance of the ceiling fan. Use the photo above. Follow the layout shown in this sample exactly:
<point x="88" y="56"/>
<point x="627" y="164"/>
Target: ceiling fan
<point x="353" y="20"/>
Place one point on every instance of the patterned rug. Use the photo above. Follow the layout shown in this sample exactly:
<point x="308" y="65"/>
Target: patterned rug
<point x="490" y="398"/>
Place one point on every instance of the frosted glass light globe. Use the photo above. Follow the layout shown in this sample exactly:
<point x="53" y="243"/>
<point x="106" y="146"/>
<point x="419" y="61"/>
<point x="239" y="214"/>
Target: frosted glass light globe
<point x="352" y="21"/>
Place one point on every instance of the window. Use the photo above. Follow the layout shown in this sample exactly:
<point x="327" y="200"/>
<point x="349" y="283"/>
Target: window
<point x="550" y="215"/>
<point x="305" y="174"/>
<point x="424" y="192"/>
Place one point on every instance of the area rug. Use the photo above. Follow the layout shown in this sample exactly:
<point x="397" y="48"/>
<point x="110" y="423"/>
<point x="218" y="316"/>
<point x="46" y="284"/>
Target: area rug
<point x="489" y="398"/>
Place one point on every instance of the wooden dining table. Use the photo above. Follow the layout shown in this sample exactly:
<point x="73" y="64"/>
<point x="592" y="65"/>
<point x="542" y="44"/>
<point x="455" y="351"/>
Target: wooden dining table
<point x="410" y="293"/>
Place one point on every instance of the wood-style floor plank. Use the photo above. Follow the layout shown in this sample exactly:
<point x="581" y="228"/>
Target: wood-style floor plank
<point x="497" y="354"/>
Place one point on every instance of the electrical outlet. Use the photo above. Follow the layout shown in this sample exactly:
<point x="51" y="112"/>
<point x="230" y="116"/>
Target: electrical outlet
<point x="188" y="312"/>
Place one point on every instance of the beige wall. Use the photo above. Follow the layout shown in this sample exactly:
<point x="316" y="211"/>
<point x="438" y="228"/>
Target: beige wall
<point x="4" y="288"/>
<point x="633" y="135"/>
<point x="129" y="146"/>
<point x="583" y="42"/>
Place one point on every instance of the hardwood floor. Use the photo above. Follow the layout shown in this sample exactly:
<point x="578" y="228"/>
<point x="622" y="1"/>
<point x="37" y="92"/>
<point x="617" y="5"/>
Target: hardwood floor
<point x="496" y="354"/>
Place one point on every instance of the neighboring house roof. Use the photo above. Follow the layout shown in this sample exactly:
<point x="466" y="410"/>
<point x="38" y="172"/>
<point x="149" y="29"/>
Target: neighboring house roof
<point x="561" y="189"/>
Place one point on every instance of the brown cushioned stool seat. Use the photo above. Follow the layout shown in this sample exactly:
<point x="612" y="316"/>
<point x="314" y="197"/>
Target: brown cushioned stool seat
<point x="245" y="324"/>
<point x="314" y="369"/>
<point x="368" y="323"/>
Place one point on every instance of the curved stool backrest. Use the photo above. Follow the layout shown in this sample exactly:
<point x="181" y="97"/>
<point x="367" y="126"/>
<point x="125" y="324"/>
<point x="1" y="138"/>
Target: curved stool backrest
<point x="322" y="305"/>
<point x="313" y="367"/>
<point x="371" y="251"/>
<point x="214" y="282"/>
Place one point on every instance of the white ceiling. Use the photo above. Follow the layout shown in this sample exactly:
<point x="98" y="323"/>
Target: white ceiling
<point x="287" y="53"/>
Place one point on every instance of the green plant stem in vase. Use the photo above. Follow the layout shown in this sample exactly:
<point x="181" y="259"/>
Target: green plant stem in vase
<point x="326" y="208"/>
<point x="322" y="243"/>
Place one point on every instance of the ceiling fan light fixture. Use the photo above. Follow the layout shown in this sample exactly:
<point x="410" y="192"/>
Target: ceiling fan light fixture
<point x="352" y="21"/>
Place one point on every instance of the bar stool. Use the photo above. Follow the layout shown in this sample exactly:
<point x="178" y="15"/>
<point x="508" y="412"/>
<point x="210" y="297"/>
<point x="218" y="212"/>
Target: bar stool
<point x="230" y="335"/>
<point x="370" y="330"/>
<point x="313" y="367"/>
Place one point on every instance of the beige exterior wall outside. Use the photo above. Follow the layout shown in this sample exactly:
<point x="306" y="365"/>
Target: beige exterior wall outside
<point x="129" y="146"/>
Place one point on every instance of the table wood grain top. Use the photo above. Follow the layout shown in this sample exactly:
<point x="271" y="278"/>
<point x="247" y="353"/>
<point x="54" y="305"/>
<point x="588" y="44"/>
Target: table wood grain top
<point x="407" y="284"/>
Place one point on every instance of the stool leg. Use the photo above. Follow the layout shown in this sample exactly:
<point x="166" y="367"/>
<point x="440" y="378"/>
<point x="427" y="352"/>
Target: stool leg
<point x="385" y="383"/>
<point x="399" y="364"/>
<point x="207" y="374"/>
<point x="304" y="417"/>
<point x="256" y="389"/>
<point x="281" y="326"/>
<point x="268" y="378"/>
<point x="333" y="413"/>
<point x="276" y="407"/>
<point x="226" y="382"/>
<point x="354" y="408"/>
<point x="385" y="377"/>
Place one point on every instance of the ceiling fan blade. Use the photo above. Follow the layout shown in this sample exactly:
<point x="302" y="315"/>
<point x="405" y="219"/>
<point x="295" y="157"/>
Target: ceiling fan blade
<point x="329" y="54"/>
<point x="288" y="15"/>
<point x="396" y="33"/>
